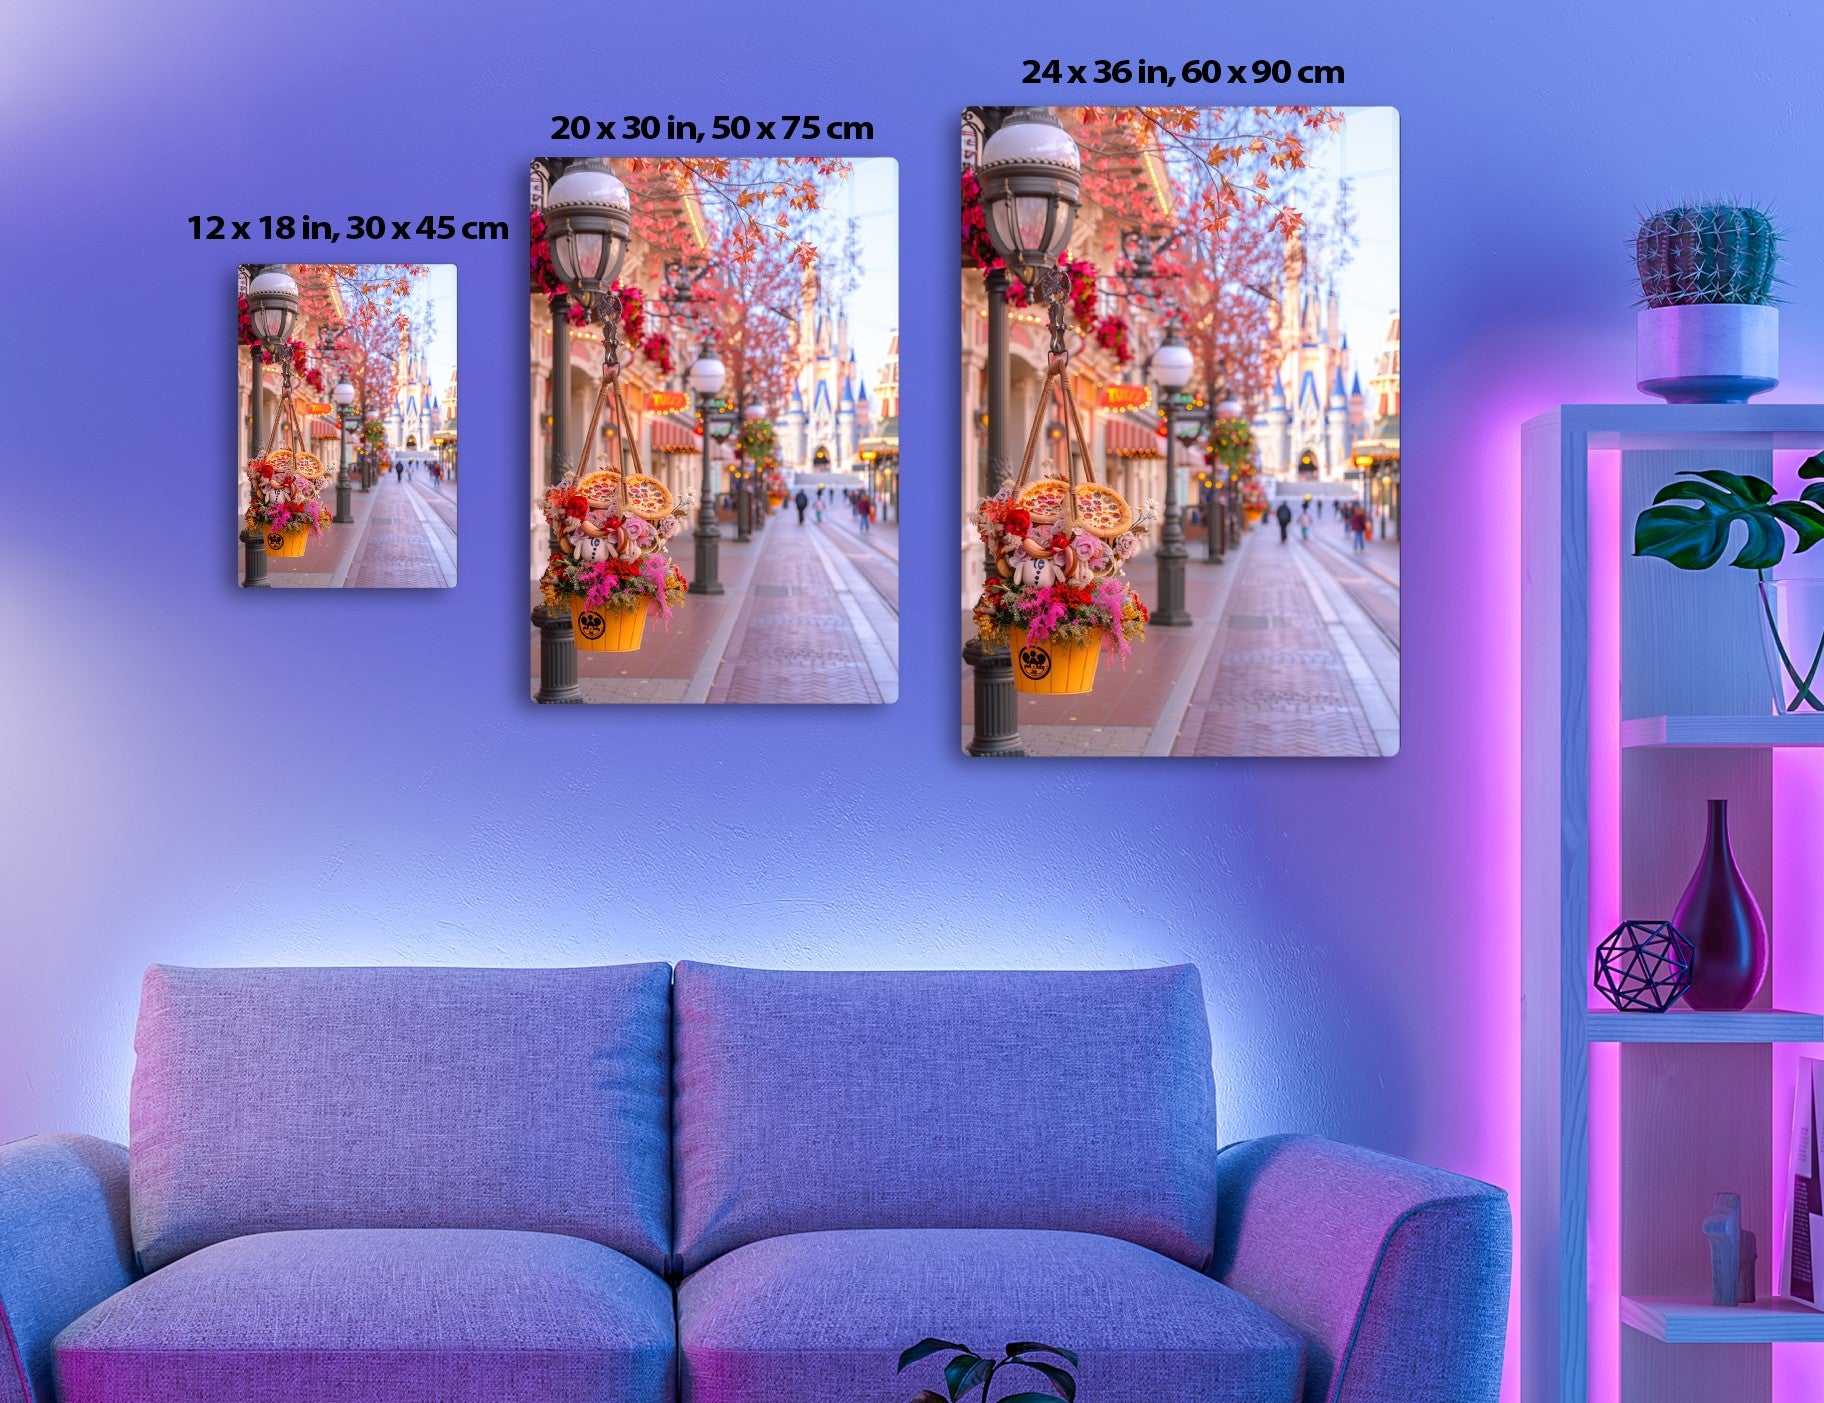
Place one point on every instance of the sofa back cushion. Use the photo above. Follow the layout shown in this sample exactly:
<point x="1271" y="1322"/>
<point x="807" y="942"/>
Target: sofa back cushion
<point x="271" y="1099"/>
<point x="1080" y="1101"/>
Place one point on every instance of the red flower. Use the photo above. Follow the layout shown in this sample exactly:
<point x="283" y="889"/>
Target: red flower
<point x="1018" y="521"/>
<point x="576" y="505"/>
<point x="613" y="523"/>
<point x="1059" y="539"/>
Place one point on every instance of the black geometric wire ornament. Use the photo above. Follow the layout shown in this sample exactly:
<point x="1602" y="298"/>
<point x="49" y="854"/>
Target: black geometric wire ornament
<point x="1644" y="966"/>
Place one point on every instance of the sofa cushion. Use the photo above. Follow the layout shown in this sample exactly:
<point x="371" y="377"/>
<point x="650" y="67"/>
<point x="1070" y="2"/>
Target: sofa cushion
<point x="826" y="1315"/>
<point x="406" y="1315"/>
<point x="273" y="1099"/>
<point x="1075" y="1101"/>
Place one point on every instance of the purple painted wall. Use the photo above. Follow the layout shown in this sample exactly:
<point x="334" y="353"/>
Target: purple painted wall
<point x="187" y="774"/>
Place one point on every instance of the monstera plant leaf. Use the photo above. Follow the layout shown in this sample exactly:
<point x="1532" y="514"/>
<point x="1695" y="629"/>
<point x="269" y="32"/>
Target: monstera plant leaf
<point x="1690" y="521"/>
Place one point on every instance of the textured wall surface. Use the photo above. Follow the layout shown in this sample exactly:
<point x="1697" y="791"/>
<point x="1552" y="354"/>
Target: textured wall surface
<point x="191" y="775"/>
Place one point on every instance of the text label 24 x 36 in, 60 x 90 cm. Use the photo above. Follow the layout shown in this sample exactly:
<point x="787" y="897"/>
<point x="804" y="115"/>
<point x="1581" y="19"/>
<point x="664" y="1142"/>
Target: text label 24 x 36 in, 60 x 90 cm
<point x="1097" y="71"/>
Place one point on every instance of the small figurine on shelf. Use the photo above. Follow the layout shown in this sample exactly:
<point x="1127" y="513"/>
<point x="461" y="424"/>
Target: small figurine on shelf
<point x="1732" y="1253"/>
<point x="1644" y="966"/>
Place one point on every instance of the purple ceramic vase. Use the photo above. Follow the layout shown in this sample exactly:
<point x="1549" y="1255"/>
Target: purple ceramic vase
<point x="1718" y="915"/>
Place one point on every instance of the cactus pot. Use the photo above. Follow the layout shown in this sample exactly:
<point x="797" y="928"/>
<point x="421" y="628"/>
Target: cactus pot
<point x="1707" y="353"/>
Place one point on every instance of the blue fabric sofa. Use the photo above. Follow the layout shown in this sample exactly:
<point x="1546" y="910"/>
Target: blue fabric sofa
<point x="714" y="1185"/>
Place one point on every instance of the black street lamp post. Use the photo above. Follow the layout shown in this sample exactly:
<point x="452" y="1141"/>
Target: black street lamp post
<point x="706" y="376"/>
<point x="1221" y="488"/>
<point x="344" y="398"/>
<point x="370" y="473"/>
<point x="744" y="490"/>
<point x="588" y="222"/>
<point x="1217" y="527"/>
<point x="1031" y="179"/>
<point x="272" y="310"/>
<point x="1172" y="364"/>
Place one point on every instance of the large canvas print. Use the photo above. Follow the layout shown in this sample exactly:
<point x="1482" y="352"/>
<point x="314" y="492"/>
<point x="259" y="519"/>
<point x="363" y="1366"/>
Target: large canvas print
<point x="1180" y="437"/>
<point x="714" y="431"/>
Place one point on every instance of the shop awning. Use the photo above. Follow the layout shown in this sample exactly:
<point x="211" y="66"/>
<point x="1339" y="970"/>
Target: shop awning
<point x="1132" y="438"/>
<point x="669" y="436"/>
<point x="322" y="430"/>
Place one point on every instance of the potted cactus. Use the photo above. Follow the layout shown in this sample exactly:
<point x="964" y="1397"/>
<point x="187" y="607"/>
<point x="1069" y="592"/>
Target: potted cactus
<point x="1708" y="331"/>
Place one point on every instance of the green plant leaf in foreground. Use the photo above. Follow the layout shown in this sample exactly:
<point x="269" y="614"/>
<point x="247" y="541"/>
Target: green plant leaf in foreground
<point x="1019" y="1347"/>
<point x="1689" y="523"/>
<point x="1060" y="1378"/>
<point x="926" y="1347"/>
<point x="964" y="1372"/>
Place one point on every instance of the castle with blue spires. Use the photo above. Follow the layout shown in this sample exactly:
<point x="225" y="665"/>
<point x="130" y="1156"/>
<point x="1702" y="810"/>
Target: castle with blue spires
<point x="827" y="415"/>
<point x="1315" y="408"/>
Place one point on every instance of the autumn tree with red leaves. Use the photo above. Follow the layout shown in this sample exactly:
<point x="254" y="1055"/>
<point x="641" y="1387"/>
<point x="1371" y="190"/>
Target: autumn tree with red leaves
<point x="378" y="313"/>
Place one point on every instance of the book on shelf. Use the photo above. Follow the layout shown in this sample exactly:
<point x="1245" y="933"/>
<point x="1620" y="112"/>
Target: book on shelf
<point x="1800" y="1277"/>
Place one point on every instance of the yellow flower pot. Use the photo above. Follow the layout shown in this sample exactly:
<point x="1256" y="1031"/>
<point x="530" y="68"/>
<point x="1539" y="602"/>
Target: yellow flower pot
<point x="1054" y="669"/>
<point x="607" y="630"/>
<point x="287" y="544"/>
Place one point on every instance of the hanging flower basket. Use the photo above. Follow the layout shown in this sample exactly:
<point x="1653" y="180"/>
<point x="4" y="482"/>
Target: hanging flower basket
<point x="610" y="566"/>
<point x="282" y="484"/>
<point x="288" y="544"/>
<point x="1054" y="668"/>
<point x="283" y="507"/>
<point x="1059" y="593"/>
<point x="605" y="629"/>
<point x="775" y="500"/>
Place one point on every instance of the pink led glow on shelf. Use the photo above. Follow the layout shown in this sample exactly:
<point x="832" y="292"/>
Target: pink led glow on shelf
<point x="1605" y="536"/>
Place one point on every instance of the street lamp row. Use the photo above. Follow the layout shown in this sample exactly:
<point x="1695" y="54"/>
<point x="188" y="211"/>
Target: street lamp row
<point x="272" y="312"/>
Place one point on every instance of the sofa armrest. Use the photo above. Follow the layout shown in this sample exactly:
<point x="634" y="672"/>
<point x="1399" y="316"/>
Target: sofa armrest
<point x="65" y="1245"/>
<point x="1396" y="1275"/>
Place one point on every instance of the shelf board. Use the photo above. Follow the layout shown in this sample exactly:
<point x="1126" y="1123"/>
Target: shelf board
<point x="1644" y="425"/>
<point x="1771" y="1320"/>
<point x="1738" y="731"/>
<point x="1683" y="1025"/>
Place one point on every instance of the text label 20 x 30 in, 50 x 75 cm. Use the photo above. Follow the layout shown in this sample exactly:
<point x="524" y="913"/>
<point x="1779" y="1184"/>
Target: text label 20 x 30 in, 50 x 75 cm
<point x="802" y="126"/>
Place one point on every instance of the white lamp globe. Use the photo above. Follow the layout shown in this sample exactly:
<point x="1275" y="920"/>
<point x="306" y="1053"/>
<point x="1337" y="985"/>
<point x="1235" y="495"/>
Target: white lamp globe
<point x="707" y="372"/>
<point x="1031" y="178"/>
<point x="344" y="393"/>
<point x="587" y="220"/>
<point x="1173" y="363"/>
<point x="272" y="305"/>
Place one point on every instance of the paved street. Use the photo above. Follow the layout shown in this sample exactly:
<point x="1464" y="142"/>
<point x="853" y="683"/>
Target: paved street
<point x="1293" y="651"/>
<point x="811" y="614"/>
<point x="403" y="537"/>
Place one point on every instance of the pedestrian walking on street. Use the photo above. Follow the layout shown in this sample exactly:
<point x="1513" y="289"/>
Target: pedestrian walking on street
<point x="1358" y="529"/>
<point x="1284" y="517"/>
<point x="864" y="509"/>
<point x="819" y="506"/>
<point x="801" y="502"/>
<point x="1304" y="524"/>
<point x="398" y="471"/>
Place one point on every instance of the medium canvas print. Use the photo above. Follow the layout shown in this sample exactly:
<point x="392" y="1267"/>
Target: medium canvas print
<point x="347" y="461"/>
<point x="714" y="457"/>
<point x="1180" y="437"/>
